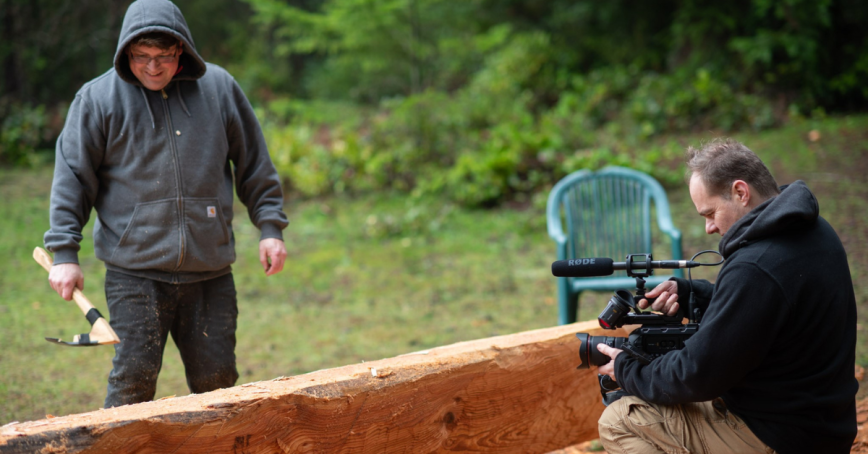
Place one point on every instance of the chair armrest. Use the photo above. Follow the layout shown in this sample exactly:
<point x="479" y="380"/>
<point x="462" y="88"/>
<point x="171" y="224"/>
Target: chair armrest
<point x="553" y="221"/>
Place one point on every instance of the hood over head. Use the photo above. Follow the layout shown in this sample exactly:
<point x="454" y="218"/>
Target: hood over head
<point x="146" y="16"/>
<point x="794" y="208"/>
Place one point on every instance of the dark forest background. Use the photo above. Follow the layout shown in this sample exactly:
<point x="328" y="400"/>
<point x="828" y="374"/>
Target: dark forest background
<point x="482" y="101"/>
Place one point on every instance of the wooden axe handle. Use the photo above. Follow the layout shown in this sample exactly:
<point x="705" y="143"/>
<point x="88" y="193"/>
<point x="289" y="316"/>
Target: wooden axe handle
<point x="41" y="256"/>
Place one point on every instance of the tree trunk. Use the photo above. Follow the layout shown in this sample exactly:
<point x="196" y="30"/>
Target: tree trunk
<point x="519" y="393"/>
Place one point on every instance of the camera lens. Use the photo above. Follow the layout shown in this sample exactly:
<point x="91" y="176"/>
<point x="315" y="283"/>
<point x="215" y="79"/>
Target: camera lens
<point x="618" y="307"/>
<point x="588" y="352"/>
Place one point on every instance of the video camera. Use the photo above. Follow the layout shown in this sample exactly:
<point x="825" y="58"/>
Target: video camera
<point x="657" y="335"/>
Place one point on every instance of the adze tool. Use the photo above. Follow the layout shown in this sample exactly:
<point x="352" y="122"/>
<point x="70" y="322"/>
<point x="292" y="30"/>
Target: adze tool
<point x="100" y="333"/>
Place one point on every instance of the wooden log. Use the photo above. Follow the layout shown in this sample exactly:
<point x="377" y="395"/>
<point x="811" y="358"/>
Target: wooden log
<point x="519" y="393"/>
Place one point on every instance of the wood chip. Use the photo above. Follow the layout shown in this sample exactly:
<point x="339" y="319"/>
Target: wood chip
<point x="381" y="373"/>
<point x="221" y="405"/>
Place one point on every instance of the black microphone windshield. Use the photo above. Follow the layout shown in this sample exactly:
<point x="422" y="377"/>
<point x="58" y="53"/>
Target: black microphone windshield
<point x="599" y="266"/>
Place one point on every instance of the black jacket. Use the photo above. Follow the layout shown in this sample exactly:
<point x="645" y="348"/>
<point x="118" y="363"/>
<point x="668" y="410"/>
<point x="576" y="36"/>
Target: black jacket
<point x="778" y="334"/>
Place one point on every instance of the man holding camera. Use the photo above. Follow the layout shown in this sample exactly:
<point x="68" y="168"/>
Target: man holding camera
<point x="771" y="367"/>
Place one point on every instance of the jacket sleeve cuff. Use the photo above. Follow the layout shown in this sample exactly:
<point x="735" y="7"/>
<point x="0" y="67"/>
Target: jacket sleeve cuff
<point x="622" y="361"/>
<point x="65" y="256"/>
<point x="270" y="230"/>
<point x="683" y="287"/>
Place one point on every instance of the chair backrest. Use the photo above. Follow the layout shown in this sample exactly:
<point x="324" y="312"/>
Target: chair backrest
<point x="606" y="213"/>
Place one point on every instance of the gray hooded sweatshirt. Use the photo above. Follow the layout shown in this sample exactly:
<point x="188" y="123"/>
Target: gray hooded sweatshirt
<point x="158" y="166"/>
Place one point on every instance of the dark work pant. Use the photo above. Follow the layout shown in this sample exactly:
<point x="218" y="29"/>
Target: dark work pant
<point x="201" y="317"/>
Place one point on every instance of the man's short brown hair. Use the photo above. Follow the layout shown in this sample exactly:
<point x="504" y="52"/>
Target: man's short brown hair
<point x="722" y="161"/>
<point x="159" y="40"/>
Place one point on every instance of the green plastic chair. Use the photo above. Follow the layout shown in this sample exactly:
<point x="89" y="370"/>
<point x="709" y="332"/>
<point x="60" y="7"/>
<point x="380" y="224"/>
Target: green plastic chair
<point x="606" y="214"/>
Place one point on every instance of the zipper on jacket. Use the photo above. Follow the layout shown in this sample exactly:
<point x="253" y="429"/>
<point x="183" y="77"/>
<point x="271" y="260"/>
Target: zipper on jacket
<point x="181" y="237"/>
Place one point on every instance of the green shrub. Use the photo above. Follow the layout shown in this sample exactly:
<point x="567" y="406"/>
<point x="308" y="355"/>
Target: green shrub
<point x="26" y="134"/>
<point x="317" y="160"/>
<point x="486" y="144"/>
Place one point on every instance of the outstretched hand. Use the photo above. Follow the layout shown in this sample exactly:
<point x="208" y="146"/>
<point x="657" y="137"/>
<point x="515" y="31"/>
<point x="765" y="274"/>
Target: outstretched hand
<point x="667" y="298"/>
<point x="272" y="255"/>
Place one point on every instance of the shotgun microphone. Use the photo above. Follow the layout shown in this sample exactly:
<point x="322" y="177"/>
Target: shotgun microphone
<point x="601" y="266"/>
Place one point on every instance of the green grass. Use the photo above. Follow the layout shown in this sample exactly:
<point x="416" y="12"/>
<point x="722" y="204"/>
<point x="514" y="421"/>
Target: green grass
<point x="374" y="276"/>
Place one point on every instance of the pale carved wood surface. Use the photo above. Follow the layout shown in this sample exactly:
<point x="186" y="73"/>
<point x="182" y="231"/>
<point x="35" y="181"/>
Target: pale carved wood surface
<point x="519" y="393"/>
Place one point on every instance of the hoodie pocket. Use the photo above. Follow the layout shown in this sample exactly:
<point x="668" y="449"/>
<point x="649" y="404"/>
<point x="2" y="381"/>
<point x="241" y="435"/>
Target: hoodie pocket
<point x="208" y="241"/>
<point x="152" y="239"/>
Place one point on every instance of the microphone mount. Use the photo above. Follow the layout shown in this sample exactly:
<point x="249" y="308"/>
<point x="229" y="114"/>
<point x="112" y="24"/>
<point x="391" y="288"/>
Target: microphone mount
<point x="638" y="273"/>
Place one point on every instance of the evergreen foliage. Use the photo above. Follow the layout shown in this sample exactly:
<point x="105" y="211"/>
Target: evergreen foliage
<point x="481" y="100"/>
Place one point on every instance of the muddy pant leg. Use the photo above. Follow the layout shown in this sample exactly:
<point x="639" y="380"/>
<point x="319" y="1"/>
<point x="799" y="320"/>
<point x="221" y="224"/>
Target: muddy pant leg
<point x="141" y="320"/>
<point x="204" y="332"/>
<point x="632" y="425"/>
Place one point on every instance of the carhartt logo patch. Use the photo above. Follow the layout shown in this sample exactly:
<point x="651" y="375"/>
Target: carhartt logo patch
<point x="212" y="212"/>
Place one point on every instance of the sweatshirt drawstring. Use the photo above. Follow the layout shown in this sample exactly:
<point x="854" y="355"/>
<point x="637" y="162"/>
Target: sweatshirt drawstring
<point x="150" y="112"/>
<point x="181" y="98"/>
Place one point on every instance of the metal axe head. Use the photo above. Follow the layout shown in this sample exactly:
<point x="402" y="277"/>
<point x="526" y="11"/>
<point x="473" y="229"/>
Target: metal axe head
<point x="100" y="334"/>
<point x="75" y="341"/>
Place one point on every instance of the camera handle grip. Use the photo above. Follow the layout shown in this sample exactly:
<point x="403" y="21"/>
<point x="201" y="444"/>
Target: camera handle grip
<point x="607" y="384"/>
<point x="610" y="389"/>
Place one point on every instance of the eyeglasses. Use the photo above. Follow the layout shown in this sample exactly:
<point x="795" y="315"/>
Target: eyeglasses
<point x="161" y="59"/>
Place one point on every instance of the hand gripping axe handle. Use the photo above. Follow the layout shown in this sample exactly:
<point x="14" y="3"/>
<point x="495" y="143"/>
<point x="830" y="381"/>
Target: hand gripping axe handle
<point x="101" y="333"/>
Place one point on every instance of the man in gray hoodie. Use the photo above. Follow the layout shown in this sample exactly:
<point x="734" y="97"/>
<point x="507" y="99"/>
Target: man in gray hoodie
<point x="154" y="145"/>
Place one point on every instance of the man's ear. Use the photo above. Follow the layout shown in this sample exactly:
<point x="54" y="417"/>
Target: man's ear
<point x="740" y="192"/>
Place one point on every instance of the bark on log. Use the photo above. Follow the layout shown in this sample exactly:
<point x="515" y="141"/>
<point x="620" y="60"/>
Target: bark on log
<point x="519" y="393"/>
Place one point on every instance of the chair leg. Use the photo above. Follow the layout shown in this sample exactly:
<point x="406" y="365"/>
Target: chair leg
<point x="568" y="303"/>
<point x="578" y="305"/>
<point x="573" y="312"/>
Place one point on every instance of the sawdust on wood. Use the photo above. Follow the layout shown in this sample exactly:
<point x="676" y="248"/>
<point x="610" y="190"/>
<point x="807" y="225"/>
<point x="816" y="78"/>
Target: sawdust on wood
<point x="55" y="447"/>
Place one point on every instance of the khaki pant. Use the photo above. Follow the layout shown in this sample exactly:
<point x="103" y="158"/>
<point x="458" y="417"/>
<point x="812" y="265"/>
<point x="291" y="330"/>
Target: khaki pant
<point x="631" y="425"/>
